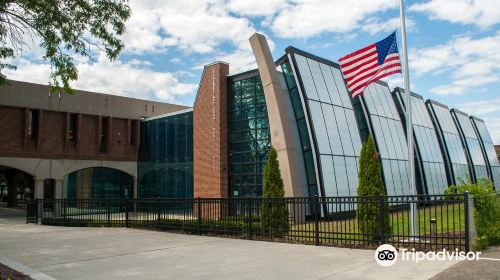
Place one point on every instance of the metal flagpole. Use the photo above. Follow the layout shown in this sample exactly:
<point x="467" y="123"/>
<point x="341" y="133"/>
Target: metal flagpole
<point x="409" y="126"/>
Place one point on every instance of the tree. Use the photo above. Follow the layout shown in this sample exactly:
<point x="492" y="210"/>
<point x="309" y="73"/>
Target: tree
<point x="274" y="215"/>
<point x="63" y="28"/>
<point x="371" y="192"/>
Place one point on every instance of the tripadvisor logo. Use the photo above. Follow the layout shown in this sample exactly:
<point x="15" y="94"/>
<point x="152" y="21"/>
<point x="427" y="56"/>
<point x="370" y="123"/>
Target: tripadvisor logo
<point x="386" y="255"/>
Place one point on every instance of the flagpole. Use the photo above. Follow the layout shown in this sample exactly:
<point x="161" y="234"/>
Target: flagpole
<point x="409" y="126"/>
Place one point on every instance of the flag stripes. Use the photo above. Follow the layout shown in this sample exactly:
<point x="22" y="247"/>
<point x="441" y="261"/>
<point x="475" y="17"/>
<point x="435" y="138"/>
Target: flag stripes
<point x="370" y="64"/>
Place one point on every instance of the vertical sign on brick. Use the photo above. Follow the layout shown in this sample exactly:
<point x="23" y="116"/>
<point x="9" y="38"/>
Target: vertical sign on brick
<point x="210" y="133"/>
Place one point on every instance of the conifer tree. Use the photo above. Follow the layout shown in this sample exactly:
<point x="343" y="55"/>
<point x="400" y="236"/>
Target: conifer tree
<point x="371" y="187"/>
<point x="274" y="215"/>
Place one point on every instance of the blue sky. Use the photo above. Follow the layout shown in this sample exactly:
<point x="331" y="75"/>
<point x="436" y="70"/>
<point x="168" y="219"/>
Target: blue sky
<point x="454" y="46"/>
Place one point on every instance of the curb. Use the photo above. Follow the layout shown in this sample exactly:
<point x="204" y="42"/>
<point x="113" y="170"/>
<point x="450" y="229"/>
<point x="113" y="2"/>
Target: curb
<point x="35" y="274"/>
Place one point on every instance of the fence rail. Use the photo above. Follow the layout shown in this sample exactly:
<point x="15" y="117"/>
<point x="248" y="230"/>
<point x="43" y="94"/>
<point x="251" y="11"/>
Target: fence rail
<point x="356" y="222"/>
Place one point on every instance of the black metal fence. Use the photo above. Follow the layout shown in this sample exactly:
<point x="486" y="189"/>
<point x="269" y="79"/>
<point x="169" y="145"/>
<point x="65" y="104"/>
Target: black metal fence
<point x="356" y="222"/>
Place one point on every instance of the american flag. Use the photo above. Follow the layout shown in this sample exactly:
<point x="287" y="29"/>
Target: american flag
<point x="370" y="64"/>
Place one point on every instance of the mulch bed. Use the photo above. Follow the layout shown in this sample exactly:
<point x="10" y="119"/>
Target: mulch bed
<point x="9" y="273"/>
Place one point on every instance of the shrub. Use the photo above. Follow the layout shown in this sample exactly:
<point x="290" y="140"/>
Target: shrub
<point x="371" y="187"/>
<point x="274" y="215"/>
<point x="487" y="210"/>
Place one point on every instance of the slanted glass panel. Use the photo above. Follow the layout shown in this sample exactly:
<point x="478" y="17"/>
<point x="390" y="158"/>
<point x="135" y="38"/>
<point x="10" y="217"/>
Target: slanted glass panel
<point x="333" y="132"/>
<point x="319" y="127"/>
<point x="165" y="169"/>
<point x="427" y="145"/>
<point x="302" y="127"/>
<point x="328" y="175"/>
<point x="489" y="150"/>
<point x="334" y="125"/>
<point x="249" y="137"/>
<point x="306" y="77"/>
<point x="389" y="136"/>
<point x="473" y="146"/>
<point x="452" y="142"/>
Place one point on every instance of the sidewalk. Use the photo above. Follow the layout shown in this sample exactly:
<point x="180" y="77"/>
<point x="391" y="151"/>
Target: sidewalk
<point x="484" y="269"/>
<point x="120" y="253"/>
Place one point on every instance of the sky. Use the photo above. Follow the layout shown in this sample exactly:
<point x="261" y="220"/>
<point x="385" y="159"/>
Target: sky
<point x="453" y="45"/>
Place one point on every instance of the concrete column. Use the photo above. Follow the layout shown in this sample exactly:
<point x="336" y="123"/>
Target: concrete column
<point x="279" y="125"/>
<point x="59" y="189"/>
<point x="38" y="188"/>
<point x="134" y="187"/>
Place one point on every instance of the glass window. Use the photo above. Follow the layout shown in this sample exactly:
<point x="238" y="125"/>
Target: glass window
<point x="165" y="169"/>
<point x="32" y="124"/>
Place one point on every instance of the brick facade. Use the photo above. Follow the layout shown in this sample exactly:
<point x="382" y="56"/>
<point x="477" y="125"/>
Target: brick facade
<point x="210" y="133"/>
<point x="52" y="136"/>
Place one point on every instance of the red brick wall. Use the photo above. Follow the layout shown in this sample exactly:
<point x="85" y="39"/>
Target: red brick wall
<point x="211" y="151"/>
<point x="52" y="139"/>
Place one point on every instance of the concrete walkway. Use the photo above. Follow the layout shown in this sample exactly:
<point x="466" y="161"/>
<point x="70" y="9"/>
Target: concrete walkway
<point x="119" y="253"/>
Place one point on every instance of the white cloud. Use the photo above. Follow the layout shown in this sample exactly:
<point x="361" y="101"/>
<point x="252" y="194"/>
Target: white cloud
<point x="481" y="107"/>
<point x="306" y="18"/>
<point x="197" y="26"/>
<point x="256" y="7"/>
<point x="470" y="62"/>
<point x="482" y="13"/>
<point x="374" y="25"/>
<point x="118" y="78"/>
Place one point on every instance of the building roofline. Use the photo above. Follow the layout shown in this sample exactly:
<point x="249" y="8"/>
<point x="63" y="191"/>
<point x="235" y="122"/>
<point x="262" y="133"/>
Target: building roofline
<point x="476" y="118"/>
<point x="168" y="114"/>
<point x="402" y="90"/>
<point x="80" y="91"/>
<point x="436" y="103"/>
<point x="244" y="75"/>
<point x="459" y="112"/>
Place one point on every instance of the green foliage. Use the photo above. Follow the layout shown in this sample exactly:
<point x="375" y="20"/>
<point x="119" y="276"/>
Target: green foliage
<point x="371" y="191"/>
<point x="487" y="210"/>
<point x="63" y="28"/>
<point x="274" y="215"/>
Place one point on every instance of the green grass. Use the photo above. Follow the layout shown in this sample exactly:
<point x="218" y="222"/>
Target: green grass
<point x="450" y="220"/>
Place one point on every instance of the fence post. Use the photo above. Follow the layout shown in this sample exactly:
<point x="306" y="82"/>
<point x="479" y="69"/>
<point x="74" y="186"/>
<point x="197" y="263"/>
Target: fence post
<point x="126" y="212"/>
<point x="249" y="218"/>
<point x="467" y="222"/>
<point x="198" y="208"/>
<point x="381" y="218"/>
<point x="109" y="212"/>
<point x="158" y="213"/>
<point x="316" y="218"/>
<point x="64" y="207"/>
<point x="36" y="211"/>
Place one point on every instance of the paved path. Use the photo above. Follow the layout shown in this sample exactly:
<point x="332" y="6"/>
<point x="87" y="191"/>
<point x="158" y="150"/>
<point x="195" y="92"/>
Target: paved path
<point x="483" y="269"/>
<point x="119" y="253"/>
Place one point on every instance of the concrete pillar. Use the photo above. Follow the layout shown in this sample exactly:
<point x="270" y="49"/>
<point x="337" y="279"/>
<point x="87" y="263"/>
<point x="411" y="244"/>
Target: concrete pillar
<point x="38" y="188"/>
<point x="59" y="189"/>
<point x="134" y="187"/>
<point x="279" y="124"/>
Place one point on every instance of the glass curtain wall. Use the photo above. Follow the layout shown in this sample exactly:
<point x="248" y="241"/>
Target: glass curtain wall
<point x="165" y="167"/>
<point x="489" y="150"/>
<point x="450" y="142"/>
<point x="430" y="157"/>
<point x="389" y="136"/>
<point x="98" y="182"/>
<point x="249" y="137"/>
<point x="333" y="124"/>
<point x="301" y="120"/>
<point x="471" y="143"/>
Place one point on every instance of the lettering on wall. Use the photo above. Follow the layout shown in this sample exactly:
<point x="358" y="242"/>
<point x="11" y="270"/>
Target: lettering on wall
<point x="214" y="142"/>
